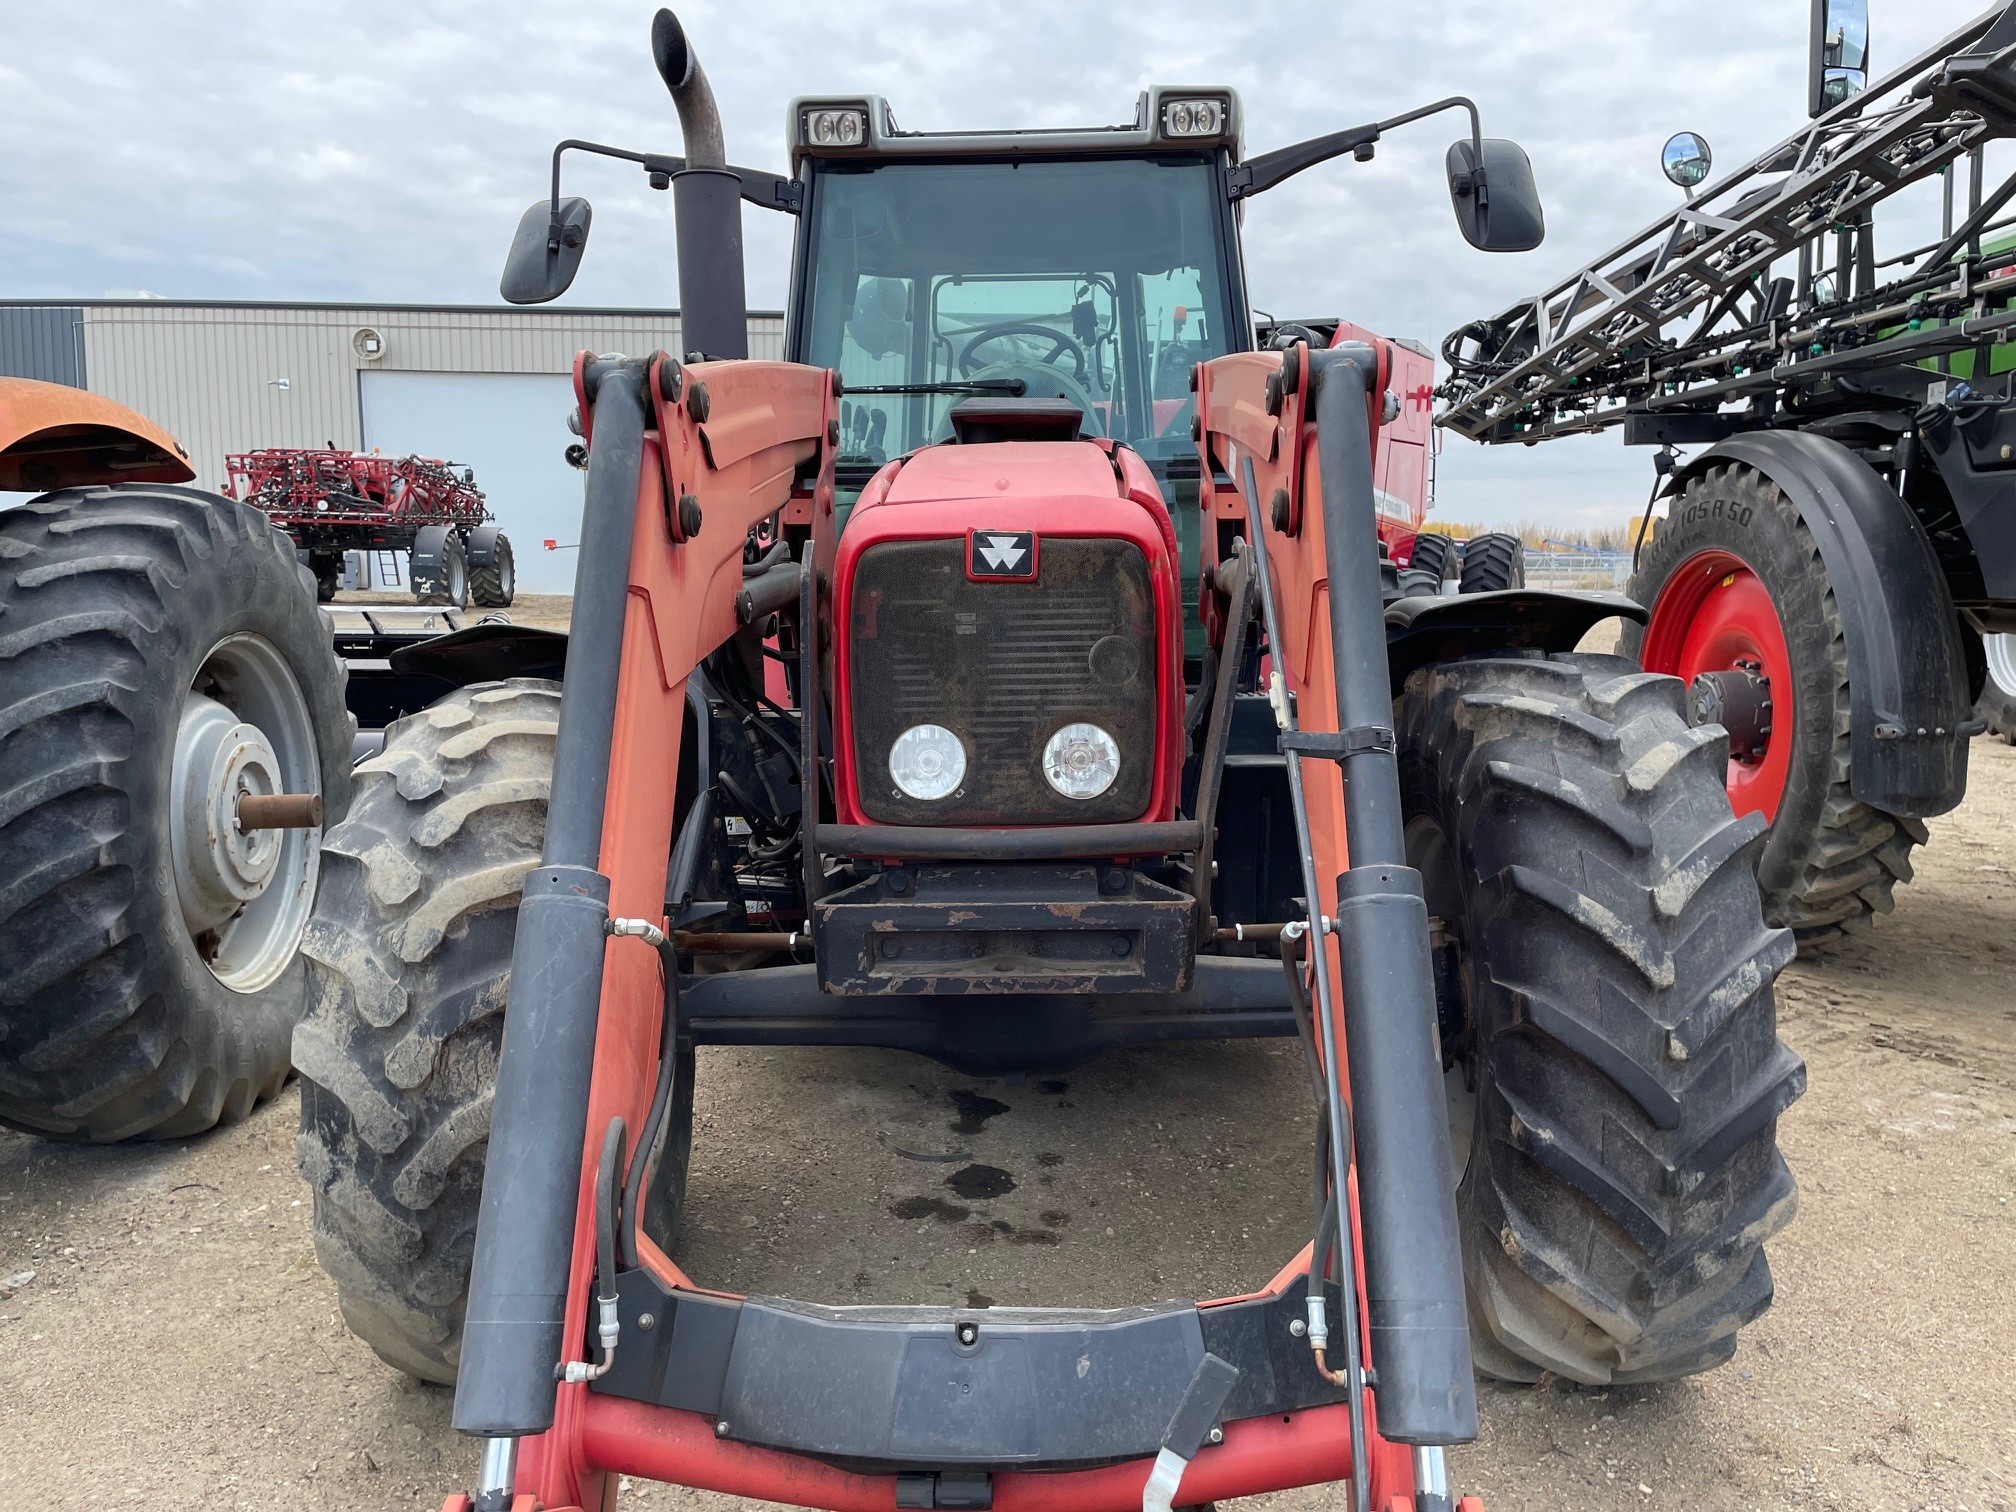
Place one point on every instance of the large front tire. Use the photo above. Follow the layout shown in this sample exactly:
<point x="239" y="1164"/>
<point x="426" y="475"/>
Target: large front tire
<point x="160" y="654"/>
<point x="1608" y="1022"/>
<point x="410" y="961"/>
<point x="409" y="957"/>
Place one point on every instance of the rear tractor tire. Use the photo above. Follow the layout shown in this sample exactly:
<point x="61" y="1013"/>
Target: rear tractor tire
<point x="1492" y="564"/>
<point x="160" y="656"/>
<point x="1742" y="610"/>
<point x="1607" y="1021"/>
<point x="409" y="962"/>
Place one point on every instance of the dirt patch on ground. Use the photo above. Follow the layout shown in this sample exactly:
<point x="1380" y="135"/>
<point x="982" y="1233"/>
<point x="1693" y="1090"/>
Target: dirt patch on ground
<point x="177" y="1346"/>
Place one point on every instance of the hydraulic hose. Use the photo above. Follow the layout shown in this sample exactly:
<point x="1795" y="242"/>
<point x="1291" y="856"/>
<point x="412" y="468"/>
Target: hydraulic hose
<point x="608" y="1215"/>
<point x="1335" y="1155"/>
<point x="661" y="1103"/>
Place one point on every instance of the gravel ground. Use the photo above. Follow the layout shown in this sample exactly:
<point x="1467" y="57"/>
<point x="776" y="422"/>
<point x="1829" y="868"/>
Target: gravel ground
<point x="177" y="1346"/>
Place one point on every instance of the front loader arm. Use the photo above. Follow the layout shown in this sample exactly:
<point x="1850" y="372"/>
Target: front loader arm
<point x="1286" y="454"/>
<point x="683" y="463"/>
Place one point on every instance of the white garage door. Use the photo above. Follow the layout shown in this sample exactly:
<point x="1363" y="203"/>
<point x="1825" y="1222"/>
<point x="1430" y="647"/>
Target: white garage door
<point x="511" y="428"/>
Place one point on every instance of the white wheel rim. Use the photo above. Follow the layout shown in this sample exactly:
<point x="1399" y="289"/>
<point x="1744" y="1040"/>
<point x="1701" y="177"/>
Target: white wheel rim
<point x="2001" y="653"/>
<point x="244" y="727"/>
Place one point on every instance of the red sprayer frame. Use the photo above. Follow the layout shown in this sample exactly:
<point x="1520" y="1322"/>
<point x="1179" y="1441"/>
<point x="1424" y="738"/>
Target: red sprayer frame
<point x="319" y="486"/>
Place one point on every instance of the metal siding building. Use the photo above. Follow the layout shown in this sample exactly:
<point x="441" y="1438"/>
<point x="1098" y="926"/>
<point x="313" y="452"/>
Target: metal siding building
<point x="486" y="387"/>
<point x="226" y="377"/>
<point x="42" y="341"/>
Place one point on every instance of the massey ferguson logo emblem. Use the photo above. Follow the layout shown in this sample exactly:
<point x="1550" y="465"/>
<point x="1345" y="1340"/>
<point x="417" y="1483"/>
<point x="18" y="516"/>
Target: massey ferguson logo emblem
<point x="1001" y="554"/>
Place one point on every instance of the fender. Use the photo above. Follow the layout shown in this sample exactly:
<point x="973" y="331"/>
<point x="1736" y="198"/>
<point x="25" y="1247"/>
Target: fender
<point x="53" y="436"/>
<point x="485" y="653"/>
<point x="1907" y="669"/>
<point x="481" y="545"/>
<point x="1423" y="630"/>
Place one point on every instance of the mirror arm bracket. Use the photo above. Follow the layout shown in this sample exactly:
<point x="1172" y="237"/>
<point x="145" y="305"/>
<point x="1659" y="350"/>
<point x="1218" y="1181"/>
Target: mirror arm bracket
<point x="1270" y="168"/>
<point x="767" y="191"/>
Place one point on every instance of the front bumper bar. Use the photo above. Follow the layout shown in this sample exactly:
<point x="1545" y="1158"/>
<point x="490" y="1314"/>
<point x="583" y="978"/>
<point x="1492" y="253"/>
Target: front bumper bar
<point x="923" y="1389"/>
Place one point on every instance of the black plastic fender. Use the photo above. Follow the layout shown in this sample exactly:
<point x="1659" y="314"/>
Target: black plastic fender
<point x="481" y="544"/>
<point x="1907" y="668"/>
<point x="424" y="566"/>
<point x="1423" y="630"/>
<point x="485" y="653"/>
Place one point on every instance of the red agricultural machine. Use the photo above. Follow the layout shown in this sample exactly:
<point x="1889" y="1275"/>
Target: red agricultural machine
<point x="1834" y="571"/>
<point x="1104" y="726"/>
<point x="333" y="502"/>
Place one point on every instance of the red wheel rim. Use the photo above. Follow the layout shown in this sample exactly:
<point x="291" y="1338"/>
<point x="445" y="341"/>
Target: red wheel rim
<point x="1713" y="614"/>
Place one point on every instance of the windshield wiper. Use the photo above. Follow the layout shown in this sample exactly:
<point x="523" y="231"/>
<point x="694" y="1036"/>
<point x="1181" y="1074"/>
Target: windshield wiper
<point x="1013" y="386"/>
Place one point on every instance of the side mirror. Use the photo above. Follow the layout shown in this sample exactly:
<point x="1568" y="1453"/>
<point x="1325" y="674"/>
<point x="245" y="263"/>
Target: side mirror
<point x="1506" y="217"/>
<point x="1686" y="159"/>
<point x="1838" y="65"/>
<point x="538" y="269"/>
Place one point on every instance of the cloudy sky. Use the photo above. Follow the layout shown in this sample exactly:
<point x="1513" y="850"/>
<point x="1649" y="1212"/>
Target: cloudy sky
<point x="384" y="149"/>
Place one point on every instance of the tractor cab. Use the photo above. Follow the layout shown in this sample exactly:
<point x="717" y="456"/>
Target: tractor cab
<point x="1094" y="266"/>
<point x="1092" y="269"/>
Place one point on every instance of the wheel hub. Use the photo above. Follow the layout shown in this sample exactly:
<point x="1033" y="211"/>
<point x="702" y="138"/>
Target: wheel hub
<point x="244" y="889"/>
<point x="1714" y="625"/>
<point x="219" y="867"/>
<point x="1739" y="700"/>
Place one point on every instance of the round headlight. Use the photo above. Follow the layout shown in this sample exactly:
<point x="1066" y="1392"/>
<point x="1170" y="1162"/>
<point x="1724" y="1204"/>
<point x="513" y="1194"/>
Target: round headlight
<point x="1081" y="761"/>
<point x="927" y="761"/>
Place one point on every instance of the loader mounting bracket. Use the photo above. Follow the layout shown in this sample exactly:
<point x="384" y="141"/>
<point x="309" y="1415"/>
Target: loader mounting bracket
<point x="1337" y="746"/>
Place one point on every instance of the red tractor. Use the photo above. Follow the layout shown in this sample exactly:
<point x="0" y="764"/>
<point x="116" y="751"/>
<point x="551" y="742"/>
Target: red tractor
<point x="332" y="502"/>
<point x="1102" y="727"/>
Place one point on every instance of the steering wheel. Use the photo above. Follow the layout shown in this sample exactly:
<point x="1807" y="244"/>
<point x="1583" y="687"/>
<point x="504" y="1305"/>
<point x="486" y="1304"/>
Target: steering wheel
<point x="1061" y="345"/>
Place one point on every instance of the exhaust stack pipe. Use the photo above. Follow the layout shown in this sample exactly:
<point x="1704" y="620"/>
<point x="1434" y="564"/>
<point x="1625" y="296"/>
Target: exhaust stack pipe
<point x="706" y="205"/>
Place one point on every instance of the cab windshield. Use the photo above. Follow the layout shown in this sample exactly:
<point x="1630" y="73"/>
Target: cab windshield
<point x="1102" y="282"/>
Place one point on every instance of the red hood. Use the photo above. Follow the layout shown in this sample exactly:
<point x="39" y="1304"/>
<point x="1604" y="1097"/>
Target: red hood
<point x="1006" y="470"/>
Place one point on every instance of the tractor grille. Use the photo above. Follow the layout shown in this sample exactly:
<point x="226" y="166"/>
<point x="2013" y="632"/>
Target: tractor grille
<point x="1004" y="666"/>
